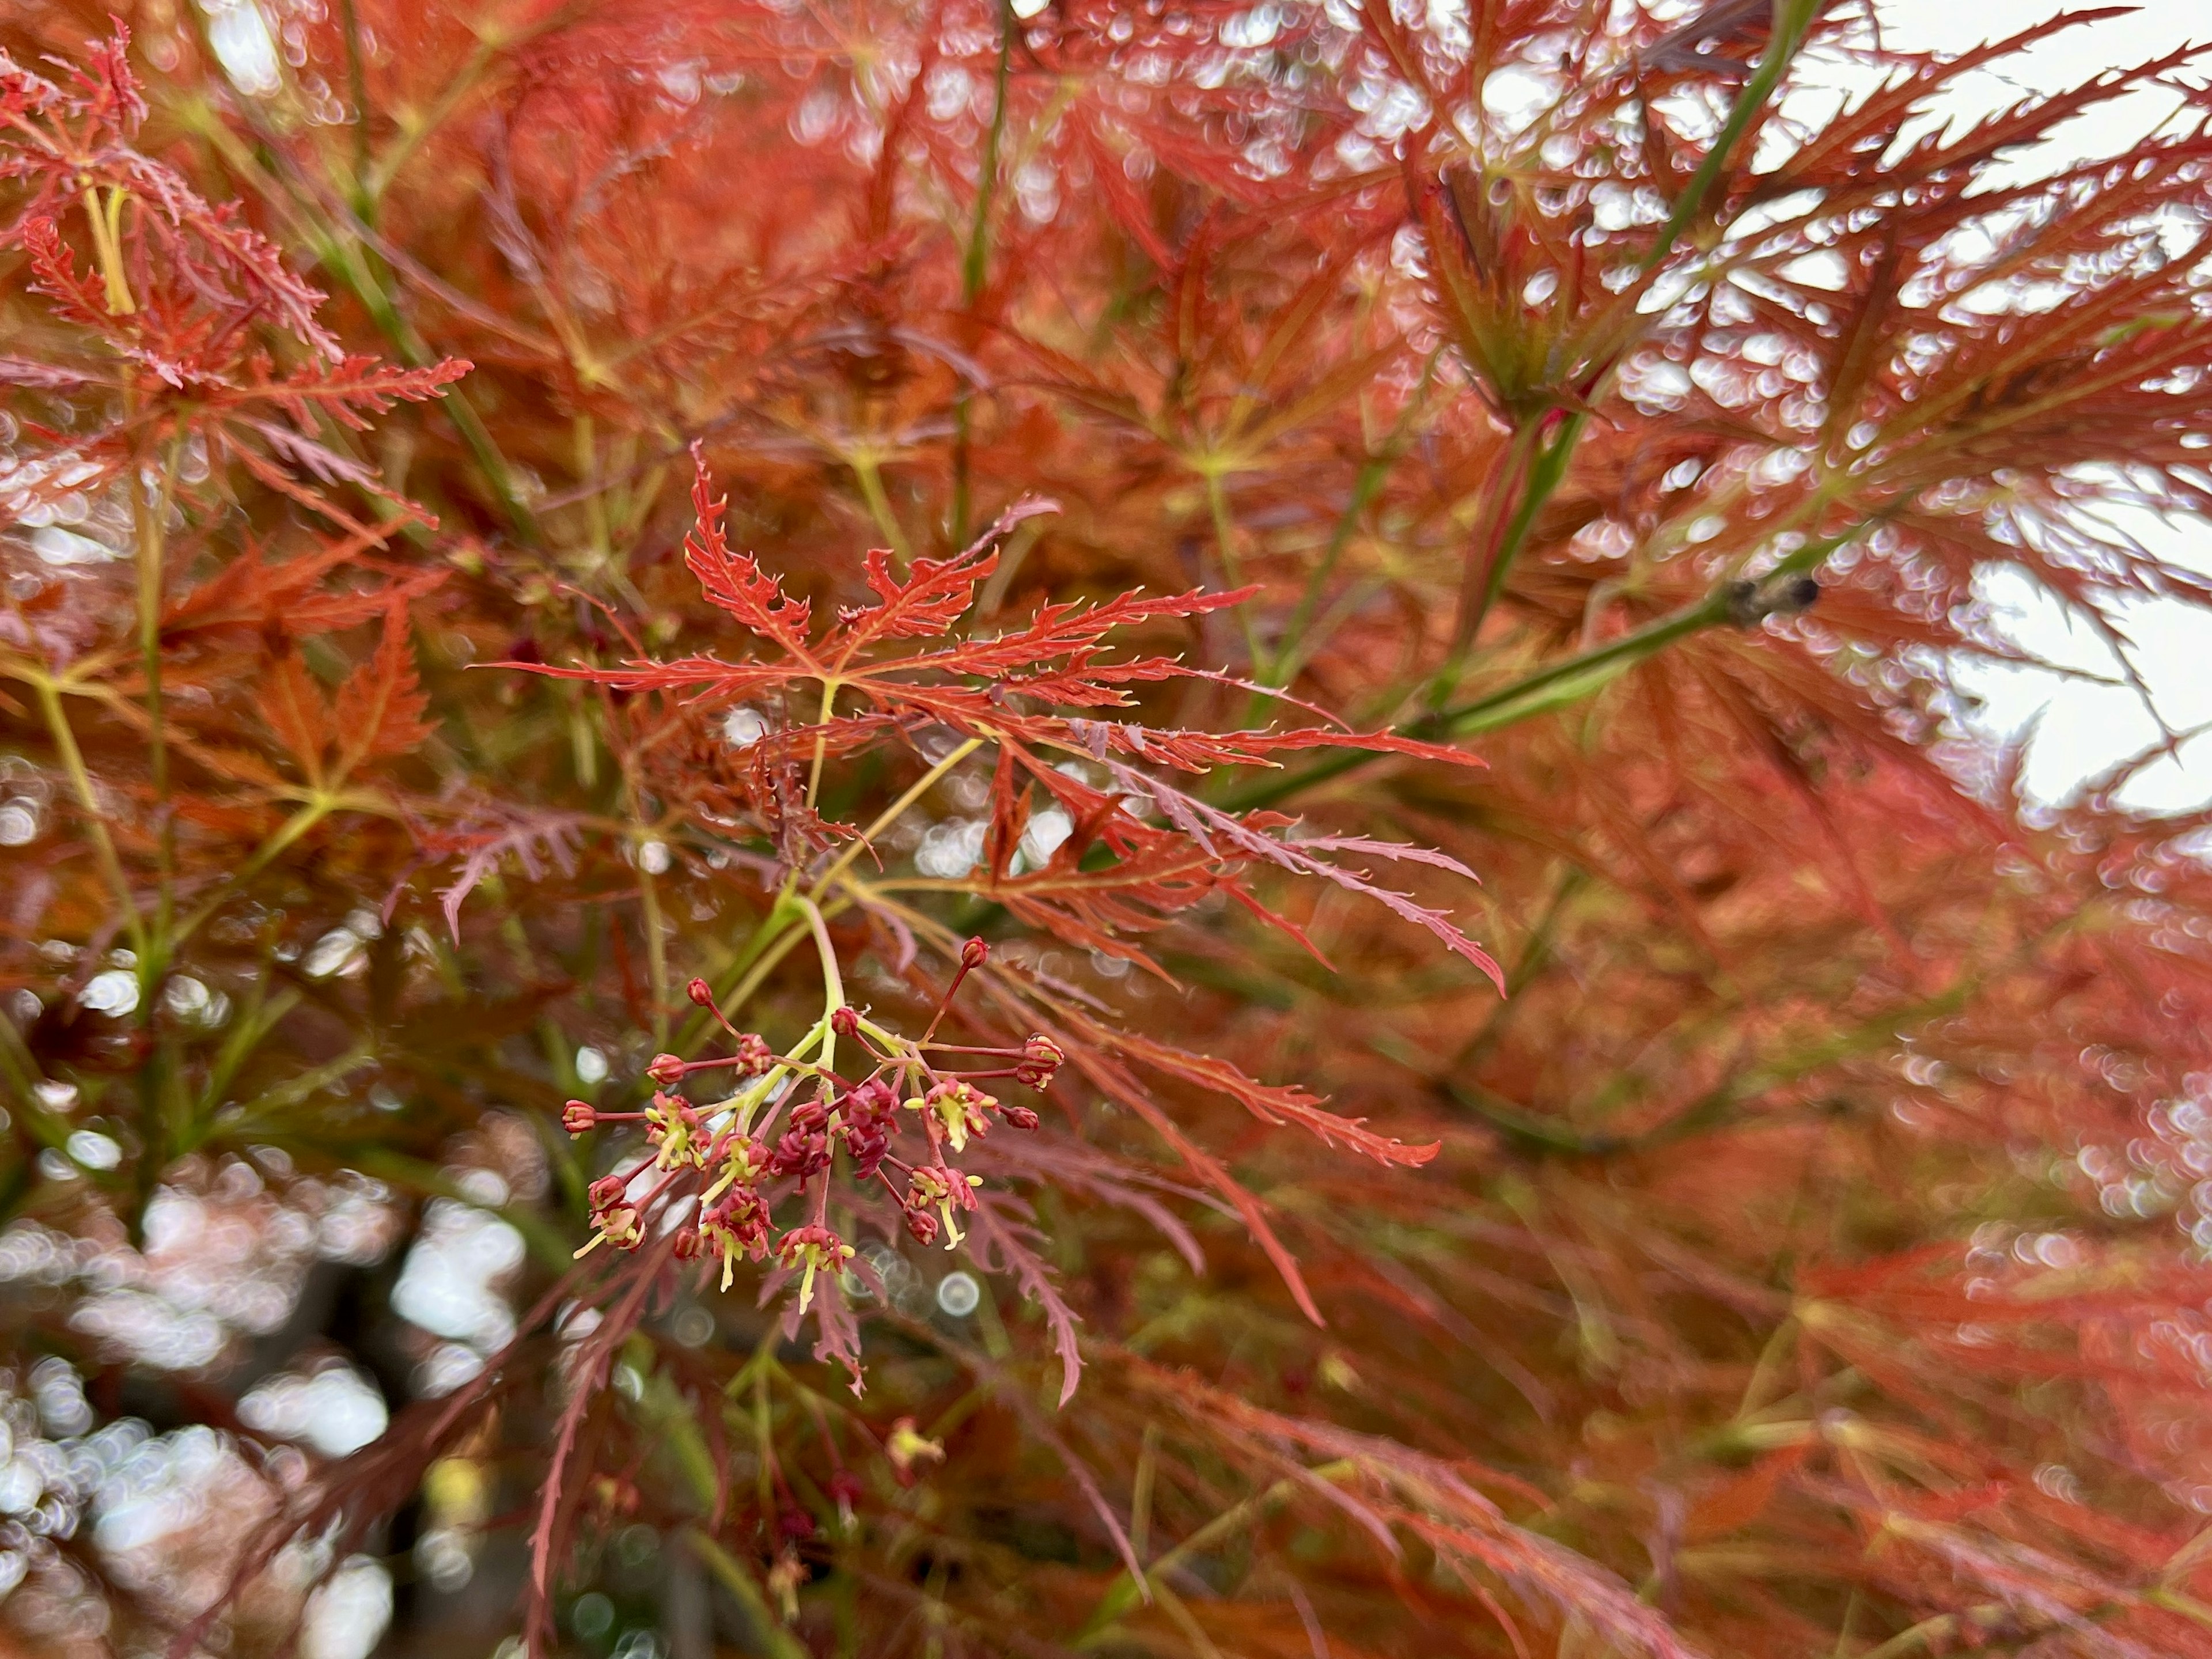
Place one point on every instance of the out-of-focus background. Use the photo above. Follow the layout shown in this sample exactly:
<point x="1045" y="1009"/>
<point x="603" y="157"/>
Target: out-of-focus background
<point x="2082" y="716"/>
<point x="250" y="1262"/>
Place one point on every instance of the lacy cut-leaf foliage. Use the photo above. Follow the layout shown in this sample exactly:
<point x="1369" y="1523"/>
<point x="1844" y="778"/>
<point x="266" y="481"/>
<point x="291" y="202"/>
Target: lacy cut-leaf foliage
<point x="744" y="747"/>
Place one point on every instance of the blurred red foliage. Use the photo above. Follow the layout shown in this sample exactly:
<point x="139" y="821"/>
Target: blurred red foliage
<point x="1174" y="494"/>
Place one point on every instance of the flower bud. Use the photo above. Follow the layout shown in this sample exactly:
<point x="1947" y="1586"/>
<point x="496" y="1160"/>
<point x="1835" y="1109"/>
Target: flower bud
<point x="1019" y="1117"/>
<point x="922" y="1225"/>
<point x="578" y="1116"/>
<point x="868" y="1145"/>
<point x="687" y="1245"/>
<point x="1040" y="1058"/>
<point x="845" y="1022"/>
<point x="665" y="1068"/>
<point x="800" y="1154"/>
<point x="609" y="1190"/>
<point x="701" y="992"/>
<point x="974" y="954"/>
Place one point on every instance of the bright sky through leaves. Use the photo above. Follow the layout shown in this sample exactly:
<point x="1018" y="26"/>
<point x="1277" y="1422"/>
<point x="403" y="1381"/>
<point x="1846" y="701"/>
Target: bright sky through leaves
<point x="2081" y="722"/>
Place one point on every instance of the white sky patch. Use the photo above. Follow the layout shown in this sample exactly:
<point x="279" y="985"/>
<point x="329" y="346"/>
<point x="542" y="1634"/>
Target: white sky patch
<point x="347" y="1617"/>
<point x="239" y="35"/>
<point x="2073" y="727"/>
<point x="335" y="1409"/>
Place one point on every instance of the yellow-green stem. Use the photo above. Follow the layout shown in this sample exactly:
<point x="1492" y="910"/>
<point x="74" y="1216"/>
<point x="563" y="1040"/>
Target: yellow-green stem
<point x="103" y="845"/>
<point x="289" y="831"/>
<point x="892" y="815"/>
<point x="833" y="982"/>
<point x="869" y="471"/>
<point x="106" y="221"/>
<point x="150" y="523"/>
<point x="820" y="739"/>
<point x="1232" y="569"/>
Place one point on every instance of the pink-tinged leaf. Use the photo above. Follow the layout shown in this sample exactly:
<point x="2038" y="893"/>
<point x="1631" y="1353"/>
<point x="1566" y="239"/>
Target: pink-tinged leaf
<point x="1380" y="743"/>
<point x="836" y="1329"/>
<point x="1270" y="1102"/>
<point x="116" y="102"/>
<point x="995" y="1242"/>
<point x="1398" y="851"/>
<point x="1436" y="1501"/>
<point x="44" y="377"/>
<point x="1115" y="1081"/>
<point x="324" y="463"/>
<point x="536" y="841"/>
<point x="734" y="581"/>
<point x="1217" y="830"/>
<point x="1077" y="1167"/>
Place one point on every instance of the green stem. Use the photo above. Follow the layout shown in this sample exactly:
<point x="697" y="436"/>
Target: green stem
<point x="1291" y="656"/>
<point x="833" y="982"/>
<point x="892" y="815"/>
<point x="106" y="219"/>
<point x="1232" y="570"/>
<point x="869" y="471"/>
<point x="1551" y="688"/>
<point x="289" y="831"/>
<point x="1547" y="468"/>
<point x="1547" y="688"/>
<point x="768" y="945"/>
<point x="1793" y="20"/>
<point x="150" y="522"/>
<point x="656" y="948"/>
<point x="103" y="845"/>
<point x="357" y="85"/>
<point x="820" y="739"/>
<point x="976" y="261"/>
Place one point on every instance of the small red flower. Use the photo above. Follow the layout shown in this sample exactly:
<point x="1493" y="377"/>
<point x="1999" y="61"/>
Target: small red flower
<point x="813" y="1248"/>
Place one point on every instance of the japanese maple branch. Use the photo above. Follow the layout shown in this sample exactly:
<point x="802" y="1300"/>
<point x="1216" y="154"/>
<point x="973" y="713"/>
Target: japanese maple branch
<point x="1547" y="466"/>
<point x="1558" y="685"/>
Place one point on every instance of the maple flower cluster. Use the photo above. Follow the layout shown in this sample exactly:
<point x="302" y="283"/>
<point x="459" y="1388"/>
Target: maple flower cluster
<point x="726" y="1166"/>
